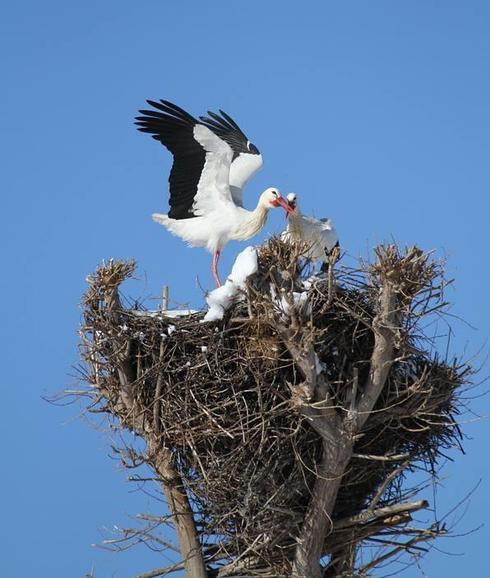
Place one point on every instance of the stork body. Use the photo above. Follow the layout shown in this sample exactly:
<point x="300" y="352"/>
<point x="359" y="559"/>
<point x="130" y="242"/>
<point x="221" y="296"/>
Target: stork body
<point x="213" y="160"/>
<point x="320" y="234"/>
<point x="215" y="228"/>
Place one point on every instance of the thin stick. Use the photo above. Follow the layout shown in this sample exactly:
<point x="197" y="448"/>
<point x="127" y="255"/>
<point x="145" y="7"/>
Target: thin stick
<point x="165" y="298"/>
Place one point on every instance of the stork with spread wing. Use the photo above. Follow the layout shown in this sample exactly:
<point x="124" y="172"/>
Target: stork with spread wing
<point x="212" y="162"/>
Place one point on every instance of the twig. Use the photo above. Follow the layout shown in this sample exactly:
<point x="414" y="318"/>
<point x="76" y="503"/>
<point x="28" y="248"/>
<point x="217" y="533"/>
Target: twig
<point x="430" y="535"/>
<point x="387" y="511"/>
<point x="162" y="571"/>
<point x="388" y="458"/>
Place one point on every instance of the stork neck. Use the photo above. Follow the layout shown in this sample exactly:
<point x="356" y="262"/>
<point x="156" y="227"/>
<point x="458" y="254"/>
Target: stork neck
<point x="252" y="223"/>
<point x="294" y="221"/>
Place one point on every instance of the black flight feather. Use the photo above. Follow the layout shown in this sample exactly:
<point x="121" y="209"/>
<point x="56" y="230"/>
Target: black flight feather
<point x="174" y="128"/>
<point x="227" y="129"/>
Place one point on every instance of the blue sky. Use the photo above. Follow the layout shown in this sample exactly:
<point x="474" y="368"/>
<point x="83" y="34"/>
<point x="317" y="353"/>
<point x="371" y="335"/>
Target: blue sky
<point x="377" y="113"/>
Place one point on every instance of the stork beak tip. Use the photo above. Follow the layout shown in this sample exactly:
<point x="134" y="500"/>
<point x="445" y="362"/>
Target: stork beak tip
<point x="281" y="202"/>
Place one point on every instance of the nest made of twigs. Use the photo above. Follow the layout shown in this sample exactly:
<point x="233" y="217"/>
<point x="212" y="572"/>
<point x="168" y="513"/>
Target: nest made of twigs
<point x="222" y="396"/>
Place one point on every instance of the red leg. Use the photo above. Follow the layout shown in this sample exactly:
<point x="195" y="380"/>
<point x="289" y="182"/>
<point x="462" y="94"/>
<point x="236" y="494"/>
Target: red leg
<point x="214" y="268"/>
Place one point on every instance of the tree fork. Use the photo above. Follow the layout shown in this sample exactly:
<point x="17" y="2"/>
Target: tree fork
<point x="339" y="434"/>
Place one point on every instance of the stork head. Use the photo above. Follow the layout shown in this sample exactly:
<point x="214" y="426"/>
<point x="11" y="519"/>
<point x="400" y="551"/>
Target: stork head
<point x="291" y="200"/>
<point x="271" y="198"/>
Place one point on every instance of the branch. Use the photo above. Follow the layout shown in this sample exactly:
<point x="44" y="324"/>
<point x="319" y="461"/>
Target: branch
<point x="387" y="481"/>
<point x="315" y="404"/>
<point x="108" y="278"/>
<point x="312" y="396"/>
<point x="384" y="326"/>
<point x="175" y="493"/>
<point x="428" y="534"/>
<point x="338" y="437"/>
<point x="349" y="532"/>
<point x="318" y="522"/>
<point x="388" y="458"/>
<point x="161" y="459"/>
<point x="162" y="571"/>
<point x="387" y="511"/>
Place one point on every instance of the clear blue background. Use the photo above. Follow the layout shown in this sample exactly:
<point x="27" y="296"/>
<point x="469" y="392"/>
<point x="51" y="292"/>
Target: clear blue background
<point x="377" y="113"/>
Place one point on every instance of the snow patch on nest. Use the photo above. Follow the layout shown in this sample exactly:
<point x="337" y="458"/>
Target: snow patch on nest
<point x="299" y="302"/>
<point x="164" y="313"/>
<point x="221" y="298"/>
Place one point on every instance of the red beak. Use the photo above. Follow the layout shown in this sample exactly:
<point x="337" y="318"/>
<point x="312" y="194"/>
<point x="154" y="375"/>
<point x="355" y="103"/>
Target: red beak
<point x="280" y="202"/>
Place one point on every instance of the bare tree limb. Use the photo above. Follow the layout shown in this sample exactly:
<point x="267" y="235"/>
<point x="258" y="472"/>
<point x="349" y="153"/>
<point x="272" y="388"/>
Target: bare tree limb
<point x="369" y="515"/>
<point x="182" y="513"/>
<point x="177" y="498"/>
<point x="428" y="534"/>
<point x="389" y="458"/>
<point x="316" y="406"/>
<point x="318" y="522"/>
<point x="162" y="571"/>
<point x="384" y="326"/>
<point x="337" y="436"/>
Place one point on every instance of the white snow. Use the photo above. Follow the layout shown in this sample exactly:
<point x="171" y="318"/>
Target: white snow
<point x="164" y="313"/>
<point x="319" y="365"/>
<point x="299" y="299"/>
<point x="204" y="348"/>
<point x="221" y="298"/>
<point x="170" y="329"/>
<point x="178" y="312"/>
<point x="246" y="264"/>
<point x="308" y="283"/>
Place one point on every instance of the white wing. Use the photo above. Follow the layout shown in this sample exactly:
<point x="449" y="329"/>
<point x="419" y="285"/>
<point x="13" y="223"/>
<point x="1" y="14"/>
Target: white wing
<point x="243" y="168"/>
<point x="213" y="189"/>
<point x="321" y="234"/>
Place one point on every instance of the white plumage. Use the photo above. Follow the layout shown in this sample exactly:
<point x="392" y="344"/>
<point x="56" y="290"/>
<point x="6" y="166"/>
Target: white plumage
<point x="242" y="169"/>
<point x="223" y="222"/>
<point x="320" y="234"/>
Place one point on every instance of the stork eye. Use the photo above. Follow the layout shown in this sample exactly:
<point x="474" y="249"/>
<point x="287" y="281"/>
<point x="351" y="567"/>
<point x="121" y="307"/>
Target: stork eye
<point x="275" y="193"/>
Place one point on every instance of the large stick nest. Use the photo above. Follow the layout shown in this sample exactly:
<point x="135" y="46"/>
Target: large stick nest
<point x="223" y="396"/>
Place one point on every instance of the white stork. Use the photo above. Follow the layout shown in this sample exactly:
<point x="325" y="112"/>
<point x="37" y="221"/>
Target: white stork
<point x="319" y="233"/>
<point x="213" y="160"/>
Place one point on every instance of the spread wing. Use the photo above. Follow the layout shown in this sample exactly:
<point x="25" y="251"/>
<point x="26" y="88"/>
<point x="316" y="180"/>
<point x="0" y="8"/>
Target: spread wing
<point x="199" y="178"/>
